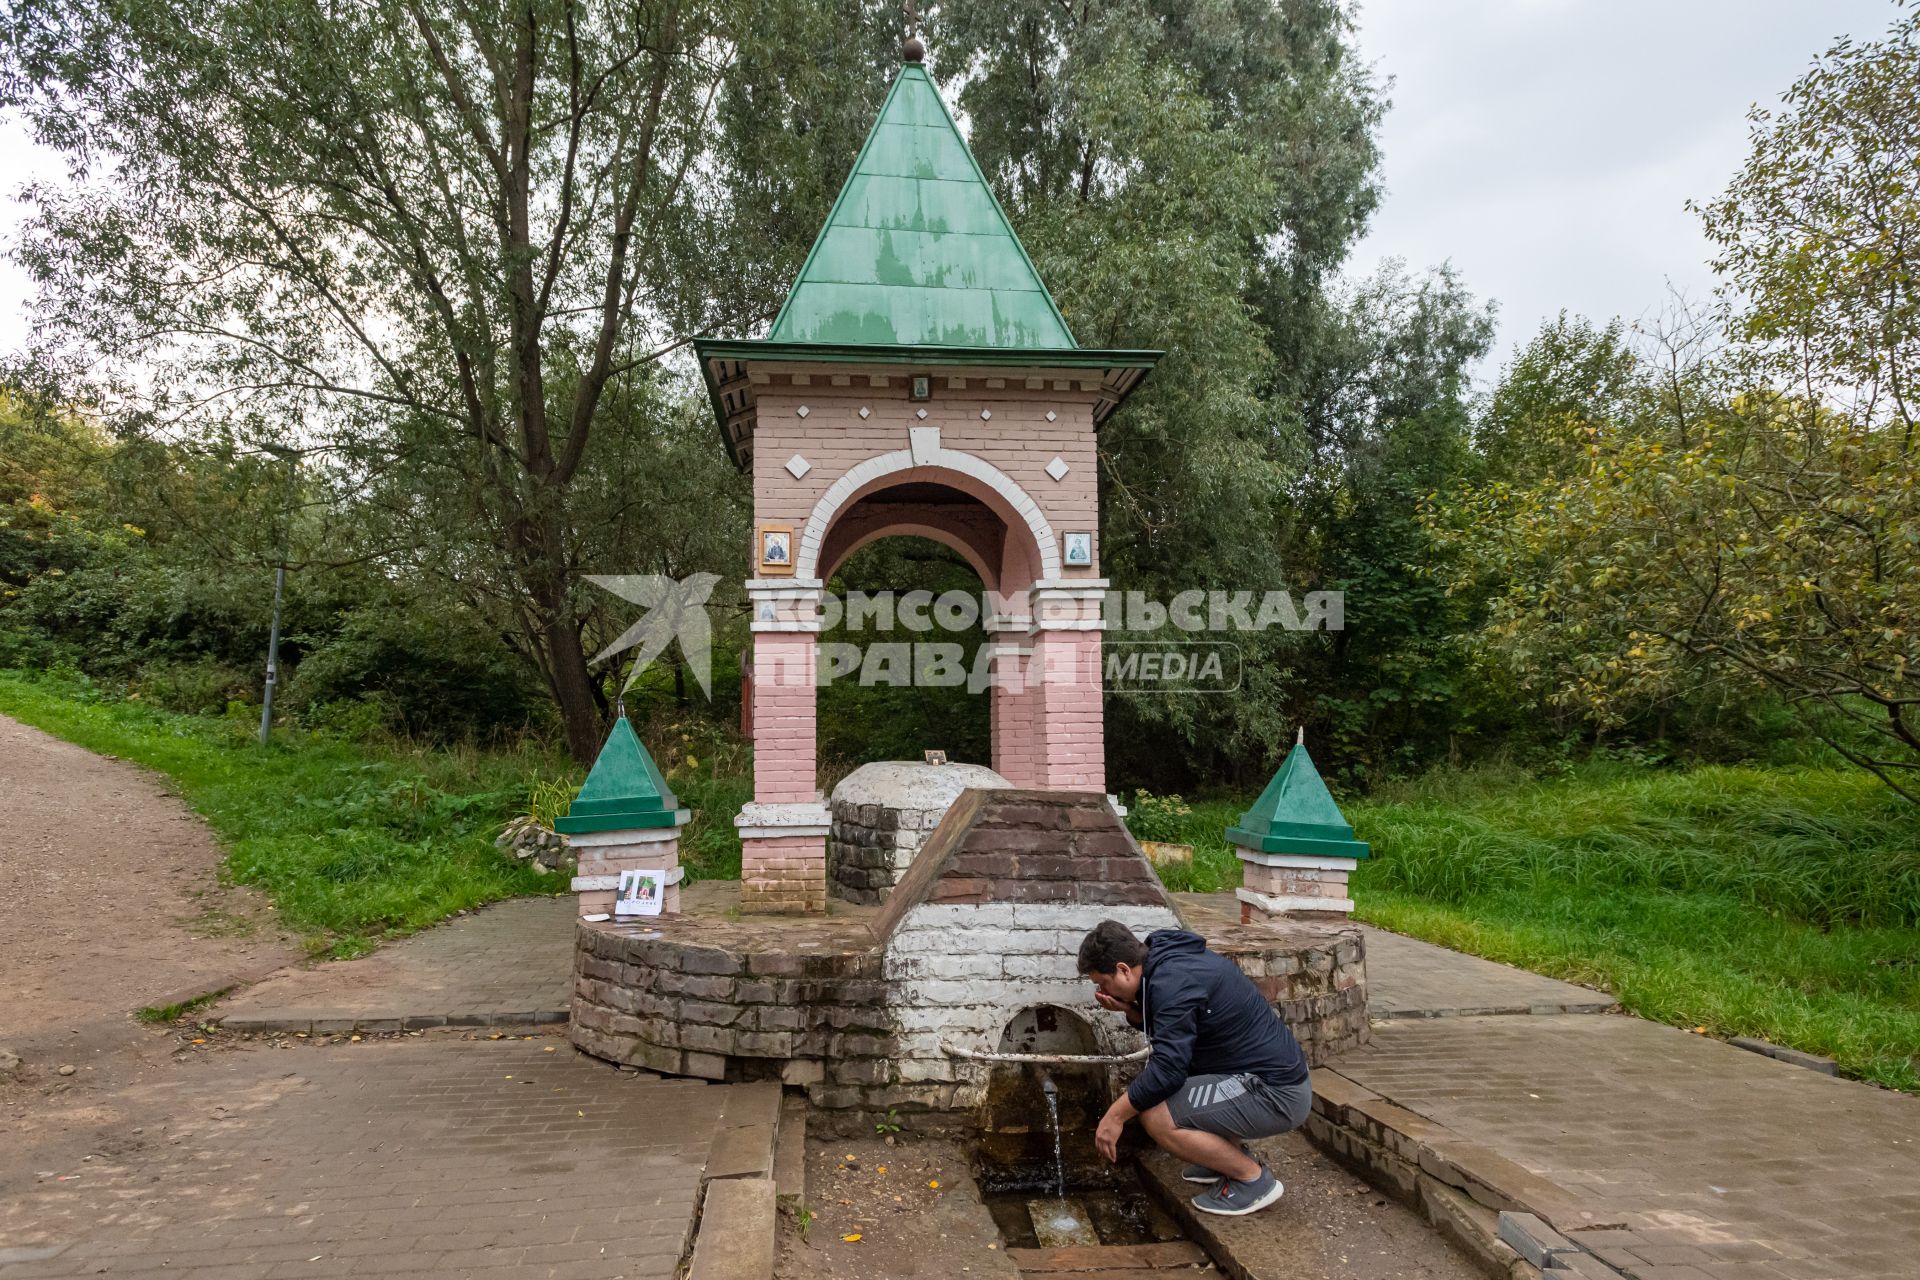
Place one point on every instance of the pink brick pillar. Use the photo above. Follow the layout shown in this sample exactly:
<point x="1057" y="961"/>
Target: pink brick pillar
<point x="1014" y="713"/>
<point x="1064" y="673"/>
<point x="783" y="717"/>
<point x="783" y="833"/>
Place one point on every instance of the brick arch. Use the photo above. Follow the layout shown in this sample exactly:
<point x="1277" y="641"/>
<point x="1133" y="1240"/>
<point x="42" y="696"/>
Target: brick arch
<point x="966" y="472"/>
<point x="984" y="560"/>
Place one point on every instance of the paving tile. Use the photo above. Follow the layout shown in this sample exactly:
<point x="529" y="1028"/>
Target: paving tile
<point x="367" y="1159"/>
<point x="1722" y="1163"/>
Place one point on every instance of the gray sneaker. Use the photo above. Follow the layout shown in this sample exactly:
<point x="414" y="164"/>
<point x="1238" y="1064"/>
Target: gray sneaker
<point x="1236" y="1198"/>
<point x="1207" y="1177"/>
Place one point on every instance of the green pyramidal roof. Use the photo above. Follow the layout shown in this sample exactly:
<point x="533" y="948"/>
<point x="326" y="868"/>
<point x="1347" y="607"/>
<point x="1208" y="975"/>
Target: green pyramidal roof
<point x="917" y="252"/>
<point x="624" y="790"/>
<point x="1296" y="814"/>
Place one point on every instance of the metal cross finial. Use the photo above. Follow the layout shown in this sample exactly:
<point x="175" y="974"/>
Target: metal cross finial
<point x="911" y="48"/>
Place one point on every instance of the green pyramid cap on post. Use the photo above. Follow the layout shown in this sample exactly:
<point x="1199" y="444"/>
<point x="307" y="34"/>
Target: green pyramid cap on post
<point x="917" y="252"/>
<point x="1296" y="814"/>
<point x="624" y="791"/>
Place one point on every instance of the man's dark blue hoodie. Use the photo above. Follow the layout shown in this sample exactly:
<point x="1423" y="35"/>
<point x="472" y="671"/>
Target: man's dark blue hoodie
<point x="1205" y="1017"/>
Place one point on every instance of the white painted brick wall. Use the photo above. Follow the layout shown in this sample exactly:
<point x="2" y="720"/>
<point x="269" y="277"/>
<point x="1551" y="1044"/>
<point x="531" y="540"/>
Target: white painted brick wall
<point x="962" y="971"/>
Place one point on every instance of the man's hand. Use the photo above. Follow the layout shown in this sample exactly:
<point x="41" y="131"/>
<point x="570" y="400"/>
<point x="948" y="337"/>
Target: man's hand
<point x="1106" y="1139"/>
<point x="1105" y="1001"/>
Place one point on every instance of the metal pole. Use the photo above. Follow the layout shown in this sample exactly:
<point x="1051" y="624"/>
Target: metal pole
<point x="279" y="591"/>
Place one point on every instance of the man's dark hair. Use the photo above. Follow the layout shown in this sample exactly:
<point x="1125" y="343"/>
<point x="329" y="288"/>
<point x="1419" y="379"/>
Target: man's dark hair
<point x="1109" y="945"/>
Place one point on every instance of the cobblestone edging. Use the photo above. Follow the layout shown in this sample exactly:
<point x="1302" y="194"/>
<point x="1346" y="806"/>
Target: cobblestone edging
<point x="1514" y="1223"/>
<point x="813" y="1004"/>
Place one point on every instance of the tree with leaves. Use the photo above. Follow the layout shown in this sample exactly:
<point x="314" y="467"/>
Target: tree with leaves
<point x="1741" y="505"/>
<point x="425" y="241"/>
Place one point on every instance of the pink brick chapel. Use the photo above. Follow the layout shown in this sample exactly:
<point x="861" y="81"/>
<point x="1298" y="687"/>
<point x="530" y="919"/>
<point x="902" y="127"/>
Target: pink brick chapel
<point x="918" y="380"/>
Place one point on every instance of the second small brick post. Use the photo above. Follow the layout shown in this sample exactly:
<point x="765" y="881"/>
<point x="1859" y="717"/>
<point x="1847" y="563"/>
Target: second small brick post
<point x="1295" y="847"/>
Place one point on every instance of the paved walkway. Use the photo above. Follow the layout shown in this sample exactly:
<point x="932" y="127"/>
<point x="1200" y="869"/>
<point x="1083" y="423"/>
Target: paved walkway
<point x="1720" y="1163"/>
<point x="1407" y="978"/>
<point x="507" y="965"/>
<point x="406" y="1157"/>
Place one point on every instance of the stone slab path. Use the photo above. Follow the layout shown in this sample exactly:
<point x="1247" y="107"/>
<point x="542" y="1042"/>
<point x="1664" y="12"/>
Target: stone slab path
<point x="510" y="964"/>
<point x="408" y="1157"/>
<point x="1408" y="978"/>
<point x="1718" y="1162"/>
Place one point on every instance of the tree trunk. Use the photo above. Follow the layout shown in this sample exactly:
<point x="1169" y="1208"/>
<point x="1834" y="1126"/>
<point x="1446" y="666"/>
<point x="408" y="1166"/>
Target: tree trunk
<point x="572" y="685"/>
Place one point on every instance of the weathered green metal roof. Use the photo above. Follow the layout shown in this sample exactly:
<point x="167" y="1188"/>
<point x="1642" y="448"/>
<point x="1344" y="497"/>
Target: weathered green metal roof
<point x="917" y="252"/>
<point x="624" y="790"/>
<point x="1296" y="814"/>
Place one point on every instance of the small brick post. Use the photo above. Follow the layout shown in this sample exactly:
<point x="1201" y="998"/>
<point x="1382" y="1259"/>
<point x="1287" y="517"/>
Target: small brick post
<point x="624" y="819"/>
<point x="1295" y="847"/>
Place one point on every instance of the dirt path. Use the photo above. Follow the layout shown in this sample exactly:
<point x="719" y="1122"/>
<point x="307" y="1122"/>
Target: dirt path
<point x="110" y="900"/>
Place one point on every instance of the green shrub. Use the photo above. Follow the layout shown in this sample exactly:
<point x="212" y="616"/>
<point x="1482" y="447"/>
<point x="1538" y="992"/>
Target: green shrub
<point x="201" y="687"/>
<point x="1152" y="817"/>
<point x="431" y="678"/>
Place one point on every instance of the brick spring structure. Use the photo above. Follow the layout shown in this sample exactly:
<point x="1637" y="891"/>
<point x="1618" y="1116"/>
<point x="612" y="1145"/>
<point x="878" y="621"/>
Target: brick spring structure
<point x="867" y="1009"/>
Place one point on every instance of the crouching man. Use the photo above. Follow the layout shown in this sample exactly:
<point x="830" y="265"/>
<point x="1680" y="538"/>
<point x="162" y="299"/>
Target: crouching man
<point x="1224" y="1068"/>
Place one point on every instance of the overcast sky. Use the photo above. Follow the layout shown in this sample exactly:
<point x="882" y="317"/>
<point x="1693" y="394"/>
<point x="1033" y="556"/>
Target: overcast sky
<point x="1545" y="147"/>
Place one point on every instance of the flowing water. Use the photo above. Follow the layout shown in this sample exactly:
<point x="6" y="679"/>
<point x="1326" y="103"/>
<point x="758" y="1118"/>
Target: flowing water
<point x="1053" y="1124"/>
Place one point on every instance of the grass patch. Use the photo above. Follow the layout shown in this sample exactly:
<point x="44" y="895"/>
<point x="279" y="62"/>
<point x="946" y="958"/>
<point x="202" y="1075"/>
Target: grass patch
<point x="350" y="843"/>
<point x="158" y="1013"/>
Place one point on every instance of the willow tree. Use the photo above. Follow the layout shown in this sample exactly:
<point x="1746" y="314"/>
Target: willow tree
<point x="425" y="237"/>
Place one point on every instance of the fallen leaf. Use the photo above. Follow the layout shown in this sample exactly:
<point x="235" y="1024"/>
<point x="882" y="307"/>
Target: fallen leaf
<point x="852" y="1237"/>
<point x="935" y="1184"/>
<point x="880" y="1169"/>
<point x="581" y="1114"/>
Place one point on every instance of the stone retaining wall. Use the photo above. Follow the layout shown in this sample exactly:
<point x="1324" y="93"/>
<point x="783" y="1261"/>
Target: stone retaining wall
<point x="812" y="1003"/>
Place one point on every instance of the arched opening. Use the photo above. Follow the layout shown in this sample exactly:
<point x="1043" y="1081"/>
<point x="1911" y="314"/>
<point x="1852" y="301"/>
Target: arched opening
<point x="897" y="700"/>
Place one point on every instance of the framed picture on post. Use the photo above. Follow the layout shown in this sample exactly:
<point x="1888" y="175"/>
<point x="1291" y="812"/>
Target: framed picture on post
<point x="776" y="549"/>
<point x="641" y="893"/>
<point x="1079" y="551"/>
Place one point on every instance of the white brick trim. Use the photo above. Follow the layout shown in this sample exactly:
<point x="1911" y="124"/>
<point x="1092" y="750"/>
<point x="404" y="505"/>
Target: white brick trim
<point x="1296" y="860"/>
<point x="768" y="821"/>
<point x="1282" y="904"/>
<point x="635" y="835"/>
<point x="862" y="474"/>
<point x="595" y="884"/>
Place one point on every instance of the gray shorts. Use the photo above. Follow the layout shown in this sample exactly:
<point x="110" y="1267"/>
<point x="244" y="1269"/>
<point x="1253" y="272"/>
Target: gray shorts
<point x="1241" y="1107"/>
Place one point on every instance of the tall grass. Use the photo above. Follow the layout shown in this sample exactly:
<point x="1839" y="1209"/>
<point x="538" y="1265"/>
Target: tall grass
<point x="1817" y="845"/>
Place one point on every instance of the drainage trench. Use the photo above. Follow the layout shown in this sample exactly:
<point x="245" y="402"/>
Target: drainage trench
<point x="1039" y="1175"/>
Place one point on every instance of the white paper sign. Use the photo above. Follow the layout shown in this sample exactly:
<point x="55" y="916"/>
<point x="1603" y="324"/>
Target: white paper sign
<point x="641" y="893"/>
